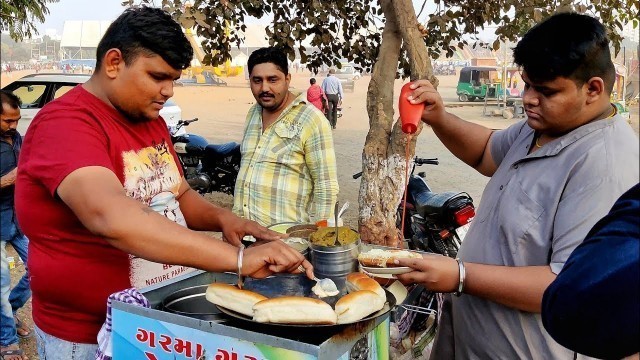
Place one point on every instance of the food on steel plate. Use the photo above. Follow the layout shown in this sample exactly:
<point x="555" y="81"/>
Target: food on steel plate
<point x="302" y="231"/>
<point x="385" y="258"/>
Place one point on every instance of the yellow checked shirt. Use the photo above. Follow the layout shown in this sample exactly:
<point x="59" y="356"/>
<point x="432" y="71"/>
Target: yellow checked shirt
<point x="288" y="173"/>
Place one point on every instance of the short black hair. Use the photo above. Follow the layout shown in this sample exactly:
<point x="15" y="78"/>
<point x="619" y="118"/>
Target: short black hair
<point x="312" y="81"/>
<point x="146" y="30"/>
<point x="272" y="55"/>
<point x="568" y="45"/>
<point x="9" y="98"/>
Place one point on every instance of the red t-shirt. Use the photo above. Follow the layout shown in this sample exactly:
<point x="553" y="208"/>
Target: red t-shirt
<point x="73" y="271"/>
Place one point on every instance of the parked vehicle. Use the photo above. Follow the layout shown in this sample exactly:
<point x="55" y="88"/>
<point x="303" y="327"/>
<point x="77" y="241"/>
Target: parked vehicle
<point x="434" y="222"/>
<point x="348" y="75"/>
<point x="207" y="167"/>
<point x="36" y="90"/>
<point x="477" y="82"/>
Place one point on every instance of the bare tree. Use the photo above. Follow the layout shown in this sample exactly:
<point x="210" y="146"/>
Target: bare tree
<point x="383" y="37"/>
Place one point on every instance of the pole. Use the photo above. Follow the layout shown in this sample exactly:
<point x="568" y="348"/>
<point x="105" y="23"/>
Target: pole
<point x="623" y="101"/>
<point x="504" y="77"/>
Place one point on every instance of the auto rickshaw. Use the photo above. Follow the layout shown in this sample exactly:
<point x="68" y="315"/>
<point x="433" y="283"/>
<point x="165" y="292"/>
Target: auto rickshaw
<point x="475" y="80"/>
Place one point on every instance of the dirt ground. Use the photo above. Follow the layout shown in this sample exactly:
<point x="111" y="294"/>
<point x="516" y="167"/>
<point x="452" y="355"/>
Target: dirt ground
<point x="221" y="112"/>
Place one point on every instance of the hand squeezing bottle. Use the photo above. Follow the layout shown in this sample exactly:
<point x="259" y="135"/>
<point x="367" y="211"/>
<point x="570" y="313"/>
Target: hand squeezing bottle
<point x="410" y="114"/>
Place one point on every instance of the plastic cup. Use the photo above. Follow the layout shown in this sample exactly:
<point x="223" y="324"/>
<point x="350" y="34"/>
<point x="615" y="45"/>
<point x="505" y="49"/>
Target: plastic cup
<point x="410" y="114"/>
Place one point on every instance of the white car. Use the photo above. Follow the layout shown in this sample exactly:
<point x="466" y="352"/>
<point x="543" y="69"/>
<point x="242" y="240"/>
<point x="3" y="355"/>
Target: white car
<point x="36" y="90"/>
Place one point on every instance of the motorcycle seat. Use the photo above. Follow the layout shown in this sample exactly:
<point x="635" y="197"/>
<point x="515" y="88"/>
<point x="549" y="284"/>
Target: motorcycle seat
<point x="436" y="205"/>
<point x="221" y="150"/>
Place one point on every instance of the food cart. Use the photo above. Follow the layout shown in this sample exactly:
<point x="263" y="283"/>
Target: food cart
<point x="155" y="333"/>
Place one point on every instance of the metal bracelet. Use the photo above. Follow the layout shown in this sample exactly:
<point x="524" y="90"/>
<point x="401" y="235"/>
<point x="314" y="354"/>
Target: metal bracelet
<point x="240" y="256"/>
<point x="462" y="273"/>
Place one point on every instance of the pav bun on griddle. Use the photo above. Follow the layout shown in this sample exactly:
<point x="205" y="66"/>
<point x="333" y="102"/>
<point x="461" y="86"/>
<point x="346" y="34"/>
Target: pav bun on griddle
<point x="232" y="298"/>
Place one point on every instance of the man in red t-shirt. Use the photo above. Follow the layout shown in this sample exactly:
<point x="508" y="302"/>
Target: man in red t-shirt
<point x="102" y="198"/>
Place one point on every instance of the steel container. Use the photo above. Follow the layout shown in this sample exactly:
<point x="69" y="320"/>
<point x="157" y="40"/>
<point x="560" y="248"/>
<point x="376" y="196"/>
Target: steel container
<point x="334" y="261"/>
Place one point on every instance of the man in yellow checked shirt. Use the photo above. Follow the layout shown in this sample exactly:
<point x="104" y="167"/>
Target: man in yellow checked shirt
<point x="288" y="169"/>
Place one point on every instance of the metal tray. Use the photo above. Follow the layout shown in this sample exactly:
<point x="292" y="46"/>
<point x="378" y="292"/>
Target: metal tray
<point x="191" y="302"/>
<point x="388" y="306"/>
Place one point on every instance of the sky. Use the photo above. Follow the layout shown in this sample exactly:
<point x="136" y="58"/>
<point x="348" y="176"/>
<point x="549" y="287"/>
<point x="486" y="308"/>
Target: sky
<point x="79" y="10"/>
<point x="97" y="10"/>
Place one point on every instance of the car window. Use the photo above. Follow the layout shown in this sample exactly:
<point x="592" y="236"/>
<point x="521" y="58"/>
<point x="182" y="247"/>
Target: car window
<point x="30" y="95"/>
<point x="61" y="89"/>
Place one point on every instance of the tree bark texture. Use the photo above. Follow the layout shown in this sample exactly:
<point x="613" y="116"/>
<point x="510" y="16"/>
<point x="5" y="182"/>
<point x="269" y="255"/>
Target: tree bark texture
<point x="384" y="154"/>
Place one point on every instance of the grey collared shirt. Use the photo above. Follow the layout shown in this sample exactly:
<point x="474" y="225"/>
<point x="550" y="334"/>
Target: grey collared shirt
<point x="331" y="85"/>
<point x="535" y="210"/>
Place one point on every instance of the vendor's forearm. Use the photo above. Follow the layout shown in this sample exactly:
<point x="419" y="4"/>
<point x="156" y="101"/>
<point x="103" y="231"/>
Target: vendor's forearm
<point x="199" y="213"/>
<point x="97" y="198"/>
<point x="519" y="287"/>
<point x="137" y="229"/>
<point x="466" y="140"/>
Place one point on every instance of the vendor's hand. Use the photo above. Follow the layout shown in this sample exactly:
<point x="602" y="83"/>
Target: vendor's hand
<point x="435" y="272"/>
<point x="424" y="92"/>
<point x="273" y="257"/>
<point x="234" y="228"/>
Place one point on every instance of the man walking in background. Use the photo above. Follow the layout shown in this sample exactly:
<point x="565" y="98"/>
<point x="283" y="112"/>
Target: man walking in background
<point x="332" y="87"/>
<point x="11" y="328"/>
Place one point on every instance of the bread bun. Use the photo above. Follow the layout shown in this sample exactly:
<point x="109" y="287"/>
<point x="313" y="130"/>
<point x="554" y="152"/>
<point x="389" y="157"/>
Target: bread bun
<point x="357" y="305"/>
<point x="232" y="298"/>
<point x="385" y="258"/>
<point x="359" y="281"/>
<point x="294" y="310"/>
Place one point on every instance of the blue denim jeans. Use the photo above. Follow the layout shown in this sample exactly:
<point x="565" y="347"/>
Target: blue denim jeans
<point x="53" y="348"/>
<point x="12" y="299"/>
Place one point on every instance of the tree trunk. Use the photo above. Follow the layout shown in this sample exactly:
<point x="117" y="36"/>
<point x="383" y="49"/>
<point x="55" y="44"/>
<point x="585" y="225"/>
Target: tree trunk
<point x="384" y="154"/>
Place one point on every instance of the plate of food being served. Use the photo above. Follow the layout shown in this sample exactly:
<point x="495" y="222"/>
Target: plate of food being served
<point x="381" y="261"/>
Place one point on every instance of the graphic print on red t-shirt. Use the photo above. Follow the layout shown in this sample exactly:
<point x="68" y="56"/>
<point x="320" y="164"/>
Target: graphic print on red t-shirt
<point x="151" y="176"/>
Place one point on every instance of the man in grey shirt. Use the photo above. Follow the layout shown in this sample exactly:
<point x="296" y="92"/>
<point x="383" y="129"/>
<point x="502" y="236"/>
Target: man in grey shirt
<point x="553" y="176"/>
<point x="332" y="87"/>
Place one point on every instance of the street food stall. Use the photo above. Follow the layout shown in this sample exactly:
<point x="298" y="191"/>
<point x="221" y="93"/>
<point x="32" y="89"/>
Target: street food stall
<point x="196" y="330"/>
<point x="182" y="324"/>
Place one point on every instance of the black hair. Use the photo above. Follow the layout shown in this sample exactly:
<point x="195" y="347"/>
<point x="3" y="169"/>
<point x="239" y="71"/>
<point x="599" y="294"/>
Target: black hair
<point x="567" y="45"/>
<point x="9" y="98"/>
<point x="312" y="81"/>
<point x="146" y="30"/>
<point x="269" y="55"/>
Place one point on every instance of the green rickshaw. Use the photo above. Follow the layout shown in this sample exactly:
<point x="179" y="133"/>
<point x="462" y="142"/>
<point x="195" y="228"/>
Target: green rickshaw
<point x="475" y="81"/>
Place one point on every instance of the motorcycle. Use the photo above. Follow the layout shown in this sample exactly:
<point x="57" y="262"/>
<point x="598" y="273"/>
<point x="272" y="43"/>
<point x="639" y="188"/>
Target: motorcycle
<point x="434" y="222"/>
<point x="207" y="167"/>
